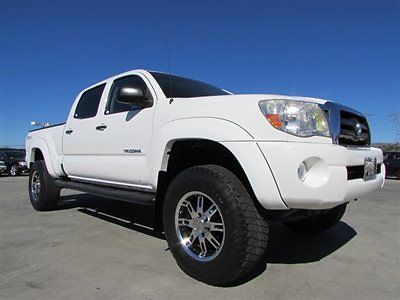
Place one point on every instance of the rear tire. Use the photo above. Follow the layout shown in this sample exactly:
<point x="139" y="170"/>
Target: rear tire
<point x="43" y="193"/>
<point x="212" y="226"/>
<point x="318" y="223"/>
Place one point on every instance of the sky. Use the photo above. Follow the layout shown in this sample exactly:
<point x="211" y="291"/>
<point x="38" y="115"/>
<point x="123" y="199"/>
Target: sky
<point x="346" y="51"/>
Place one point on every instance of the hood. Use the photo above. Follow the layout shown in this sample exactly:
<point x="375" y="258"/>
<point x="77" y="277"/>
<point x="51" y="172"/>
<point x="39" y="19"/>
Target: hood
<point x="242" y="110"/>
<point x="226" y="105"/>
<point x="256" y="97"/>
<point x="259" y="97"/>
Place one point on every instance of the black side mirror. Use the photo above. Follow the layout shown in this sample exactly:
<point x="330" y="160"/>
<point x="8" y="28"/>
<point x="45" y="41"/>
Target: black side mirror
<point x="132" y="95"/>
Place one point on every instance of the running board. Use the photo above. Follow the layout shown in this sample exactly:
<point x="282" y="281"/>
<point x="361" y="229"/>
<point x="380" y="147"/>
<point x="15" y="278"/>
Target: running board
<point x="137" y="197"/>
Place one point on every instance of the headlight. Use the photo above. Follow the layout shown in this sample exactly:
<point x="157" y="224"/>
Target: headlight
<point x="22" y="163"/>
<point x="296" y="117"/>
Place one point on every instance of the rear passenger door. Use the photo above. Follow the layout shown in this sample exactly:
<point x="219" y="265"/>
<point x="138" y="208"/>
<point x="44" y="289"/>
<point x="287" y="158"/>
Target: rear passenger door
<point x="80" y="140"/>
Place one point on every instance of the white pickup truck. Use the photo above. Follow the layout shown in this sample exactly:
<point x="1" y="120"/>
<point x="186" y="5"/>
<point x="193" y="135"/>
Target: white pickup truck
<point x="215" y="166"/>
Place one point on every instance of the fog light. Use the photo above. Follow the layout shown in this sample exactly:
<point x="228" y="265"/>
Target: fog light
<point x="302" y="171"/>
<point x="313" y="172"/>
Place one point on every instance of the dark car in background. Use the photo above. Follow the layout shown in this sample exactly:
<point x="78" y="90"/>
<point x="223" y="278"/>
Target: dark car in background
<point x="392" y="164"/>
<point x="3" y="167"/>
<point x="14" y="160"/>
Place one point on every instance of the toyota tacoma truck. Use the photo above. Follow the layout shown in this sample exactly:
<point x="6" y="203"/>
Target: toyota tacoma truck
<point x="214" y="166"/>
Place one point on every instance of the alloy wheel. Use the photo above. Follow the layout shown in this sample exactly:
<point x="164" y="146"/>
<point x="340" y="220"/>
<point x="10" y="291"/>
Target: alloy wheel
<point x="35" y="185"/>
<point x="199" y="226"/>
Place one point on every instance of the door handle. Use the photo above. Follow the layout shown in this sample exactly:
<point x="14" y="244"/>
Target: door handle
<point x="69" y="131"/>
<point x="101" y="127"/>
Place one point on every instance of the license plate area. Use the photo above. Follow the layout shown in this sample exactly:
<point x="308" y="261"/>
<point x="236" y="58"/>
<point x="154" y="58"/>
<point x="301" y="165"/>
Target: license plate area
<point x="370" y="168"/>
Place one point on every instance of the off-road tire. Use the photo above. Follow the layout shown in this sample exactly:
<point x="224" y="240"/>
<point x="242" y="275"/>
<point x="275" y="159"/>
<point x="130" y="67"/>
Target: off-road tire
<point x="318" y="223"/>
<point x="246" y="232"/>
<point x="48" y="194"/>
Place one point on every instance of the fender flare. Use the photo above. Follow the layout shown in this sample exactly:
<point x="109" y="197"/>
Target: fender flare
<point x="40" y="143"/>
<point x="213" y="129"/>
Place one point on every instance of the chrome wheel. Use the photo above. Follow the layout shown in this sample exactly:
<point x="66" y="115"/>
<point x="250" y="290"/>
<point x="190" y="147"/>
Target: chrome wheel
<point x="199" y="226"/>
<point x="35" y="185"/>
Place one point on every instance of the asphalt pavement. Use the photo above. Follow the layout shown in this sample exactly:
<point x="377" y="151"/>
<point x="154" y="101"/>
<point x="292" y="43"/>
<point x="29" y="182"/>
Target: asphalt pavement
<point x="96" y="248"/>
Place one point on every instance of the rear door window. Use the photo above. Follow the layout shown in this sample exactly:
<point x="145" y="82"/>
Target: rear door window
<point x="89" y="103"/>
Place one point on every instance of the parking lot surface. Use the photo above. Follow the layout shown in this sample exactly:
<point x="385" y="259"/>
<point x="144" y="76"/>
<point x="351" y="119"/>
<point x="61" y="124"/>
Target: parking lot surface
<point x="96" y="248"/>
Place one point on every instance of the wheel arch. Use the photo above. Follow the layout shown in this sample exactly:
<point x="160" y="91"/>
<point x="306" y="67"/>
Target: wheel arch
<point x="186" y="153"/>
<point x="211" y="129"/>
<point x="177" y="134"/>
<point x="36" y="155"/>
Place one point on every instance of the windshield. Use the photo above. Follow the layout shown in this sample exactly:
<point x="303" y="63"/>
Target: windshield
<point x="180" y="87"/>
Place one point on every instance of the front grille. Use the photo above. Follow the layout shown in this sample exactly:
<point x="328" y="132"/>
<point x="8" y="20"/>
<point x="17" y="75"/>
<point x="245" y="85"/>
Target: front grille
<point x="354" y="130"/>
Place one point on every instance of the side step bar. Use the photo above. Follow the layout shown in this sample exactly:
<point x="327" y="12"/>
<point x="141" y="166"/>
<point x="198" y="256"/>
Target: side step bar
<point x="137" y="197"/>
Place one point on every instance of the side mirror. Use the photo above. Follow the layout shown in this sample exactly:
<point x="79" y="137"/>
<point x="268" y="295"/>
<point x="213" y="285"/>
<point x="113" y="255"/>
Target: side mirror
<point x="132" y="95"/>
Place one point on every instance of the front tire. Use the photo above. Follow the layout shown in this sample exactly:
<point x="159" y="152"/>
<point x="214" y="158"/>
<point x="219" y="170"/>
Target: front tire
<point x="318" y="223"/>
<point x="14" y="170"/>
<point x="212" y="226"/>
<point x="43" y="193"/>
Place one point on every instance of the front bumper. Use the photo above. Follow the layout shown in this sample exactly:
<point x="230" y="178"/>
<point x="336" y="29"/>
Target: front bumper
<point x="326" y="184"/>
